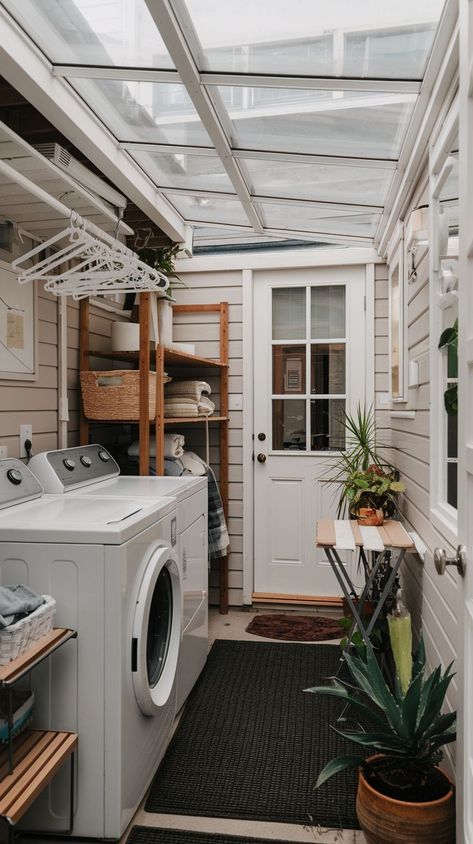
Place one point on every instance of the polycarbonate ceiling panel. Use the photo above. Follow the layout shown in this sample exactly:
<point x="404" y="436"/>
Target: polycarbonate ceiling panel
<point x="366" y="38"/>
<point x="307" y="219"/>
<point x="155" y="112"/>
<point x="208" y="209"/>
<point x="360" y="124"/>
<point x="117" y="33"/>
<point x="326" y="183"/>
<point x="180" y="170"/>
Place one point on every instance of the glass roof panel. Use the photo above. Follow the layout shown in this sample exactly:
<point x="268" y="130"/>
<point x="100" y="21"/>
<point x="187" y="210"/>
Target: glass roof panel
<point x="307" y="219"/>
<point x="360" y="124"/>
<point x="209" y="209"/>
<point x="326" y="183"/>
<point x="157" y="112"/>
<point x="365" y="38"/>
<point x="180" y="170"/>
<point x="114" y="33"/>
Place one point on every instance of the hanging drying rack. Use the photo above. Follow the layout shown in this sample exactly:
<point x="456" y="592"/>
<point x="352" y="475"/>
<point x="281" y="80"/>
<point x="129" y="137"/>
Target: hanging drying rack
<point x="102" y="264"/>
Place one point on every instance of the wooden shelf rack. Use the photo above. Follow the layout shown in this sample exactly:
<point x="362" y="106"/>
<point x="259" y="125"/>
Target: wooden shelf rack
<point x="164" y="359"/>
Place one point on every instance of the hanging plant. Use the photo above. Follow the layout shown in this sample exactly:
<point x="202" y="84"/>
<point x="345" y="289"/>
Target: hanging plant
<point x="449" y="340"/>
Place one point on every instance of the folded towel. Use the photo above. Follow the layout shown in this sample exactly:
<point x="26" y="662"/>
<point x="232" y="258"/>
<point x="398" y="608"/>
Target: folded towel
<point x="188" y="389"/>
<point x="219" y="540"/>
<point x="206" y="406"/>
<point x="16" y="602"/>
<point x="181" y="408"/>
<point x="193" y="463"/>
<point x="173" y="446"/>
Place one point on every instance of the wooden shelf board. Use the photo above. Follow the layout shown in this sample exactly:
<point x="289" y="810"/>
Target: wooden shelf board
<point x="171" y="358"/>
<point x="276" y="598"/>
<point x="181" y="420"/>
<point x="37" y="756"/>
<point x="13" y="670"/>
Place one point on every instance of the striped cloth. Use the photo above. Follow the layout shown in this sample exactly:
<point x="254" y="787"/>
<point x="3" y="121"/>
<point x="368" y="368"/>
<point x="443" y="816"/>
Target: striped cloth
<point x="181" y="406"/>
<point x="219" y="540"/>
<point x="187" y="389"/>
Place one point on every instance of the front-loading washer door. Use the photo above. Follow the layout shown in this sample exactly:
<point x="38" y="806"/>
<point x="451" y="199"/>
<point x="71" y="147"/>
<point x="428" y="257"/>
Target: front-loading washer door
<point x="157" y="632"/>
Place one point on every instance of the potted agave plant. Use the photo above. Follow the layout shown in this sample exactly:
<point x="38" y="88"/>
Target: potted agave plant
<point x="402" y="796"/>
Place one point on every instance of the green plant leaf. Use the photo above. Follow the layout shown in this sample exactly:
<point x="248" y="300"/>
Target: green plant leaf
<point x="450" y="398"/>
<point x="447" y="336"/>
<point x="410" y="704"/>
<point x="352" y="702"/>
<point x="380" y="741"/>
<point x="370" y="678"/>
<point x="341" y="763"/>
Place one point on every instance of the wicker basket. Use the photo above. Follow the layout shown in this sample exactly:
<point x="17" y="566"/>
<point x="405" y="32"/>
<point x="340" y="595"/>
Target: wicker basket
<point x="17" y="637"/>
<point x="115" y="394"/>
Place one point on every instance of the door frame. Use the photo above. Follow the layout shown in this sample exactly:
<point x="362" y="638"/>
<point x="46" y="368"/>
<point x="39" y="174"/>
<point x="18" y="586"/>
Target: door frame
<point x="305" y="258"/>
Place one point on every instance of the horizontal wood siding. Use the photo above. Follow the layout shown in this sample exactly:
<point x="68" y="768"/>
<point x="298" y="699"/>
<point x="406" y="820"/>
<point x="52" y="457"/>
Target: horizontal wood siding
<point x="203" y="330"/>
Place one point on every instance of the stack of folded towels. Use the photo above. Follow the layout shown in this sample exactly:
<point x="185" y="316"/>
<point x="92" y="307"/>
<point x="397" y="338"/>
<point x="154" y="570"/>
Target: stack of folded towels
<point x="187" y="398"/>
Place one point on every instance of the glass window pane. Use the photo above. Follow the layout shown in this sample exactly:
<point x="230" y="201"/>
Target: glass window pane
<point x="208" y="209"/>
<point x="120" y="33"/>
<point x="352" y="123"/>
<point x="179" y="170"/>
<point x="289" y="428"/>
<point x="327" y="312"/>
<point x="327" y="431"/>
<point x="309" y="38"/>
<point x="318" y="220"/>
<point x="288" y="369"/>
<point x="289" y="320"/>
<point x="367" y="185"/>
<point x="328" y="368"/>
<point x="157" y="112"/>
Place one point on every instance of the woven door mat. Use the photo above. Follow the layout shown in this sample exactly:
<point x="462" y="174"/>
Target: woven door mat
<point x="150" y="835"/>
<point x="251" y="743"/>
<point x="295" y="628"/>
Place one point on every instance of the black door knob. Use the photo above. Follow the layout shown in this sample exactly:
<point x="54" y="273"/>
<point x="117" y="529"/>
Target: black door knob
<point x="261" y="458"/>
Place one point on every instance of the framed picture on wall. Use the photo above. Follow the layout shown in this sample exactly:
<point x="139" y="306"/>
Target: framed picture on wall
<point x="18" y="327"/>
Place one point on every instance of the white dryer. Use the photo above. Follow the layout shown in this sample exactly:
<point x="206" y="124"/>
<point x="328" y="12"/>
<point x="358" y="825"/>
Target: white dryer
<point x="92" y="470"/>
<point x="112" y="568"/>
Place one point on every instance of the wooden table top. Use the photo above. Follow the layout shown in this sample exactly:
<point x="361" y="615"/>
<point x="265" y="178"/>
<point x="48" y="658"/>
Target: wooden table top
<point x="330" y="534"/>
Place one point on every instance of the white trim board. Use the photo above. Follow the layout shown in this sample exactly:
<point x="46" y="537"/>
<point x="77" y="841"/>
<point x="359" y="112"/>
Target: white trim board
<point x="279" y="259"/>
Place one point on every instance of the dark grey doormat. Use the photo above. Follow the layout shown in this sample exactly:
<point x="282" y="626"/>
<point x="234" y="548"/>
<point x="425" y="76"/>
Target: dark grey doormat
<point x="250" y="742"/>
<point x="149" y="835"/>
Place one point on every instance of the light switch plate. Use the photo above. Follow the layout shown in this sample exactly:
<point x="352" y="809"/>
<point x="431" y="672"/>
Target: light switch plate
<point x="3" y="451"/>
<point x="235" y="401"/>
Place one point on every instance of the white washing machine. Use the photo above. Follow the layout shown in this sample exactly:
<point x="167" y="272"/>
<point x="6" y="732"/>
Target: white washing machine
<point x="111" y="566"/>
<point x="92" y="470"/>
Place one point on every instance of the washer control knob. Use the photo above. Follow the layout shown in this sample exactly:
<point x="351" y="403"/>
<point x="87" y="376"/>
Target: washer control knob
<point x="86" y="461"/>
<point x="69" y="464"/>
<point x="104" y="455"/>
<point x="14" y="476"/>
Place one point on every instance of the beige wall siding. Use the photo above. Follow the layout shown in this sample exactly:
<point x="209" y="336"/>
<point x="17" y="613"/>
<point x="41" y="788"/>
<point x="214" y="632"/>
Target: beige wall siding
<point x="203" y="330"/>
<point x="432" y="599"/>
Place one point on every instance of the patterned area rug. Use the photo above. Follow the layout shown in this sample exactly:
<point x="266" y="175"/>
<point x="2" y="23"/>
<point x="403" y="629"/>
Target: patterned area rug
<point x="295" y="628"/>
<point x="251" y="743"/>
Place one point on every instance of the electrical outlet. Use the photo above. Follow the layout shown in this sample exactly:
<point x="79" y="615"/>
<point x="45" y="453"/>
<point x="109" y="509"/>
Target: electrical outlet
<point x="26" y="433"/>
<point x="3" y="451"/>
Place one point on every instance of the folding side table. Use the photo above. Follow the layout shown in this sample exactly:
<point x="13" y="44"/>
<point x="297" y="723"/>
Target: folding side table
<point x="347" y="535"/>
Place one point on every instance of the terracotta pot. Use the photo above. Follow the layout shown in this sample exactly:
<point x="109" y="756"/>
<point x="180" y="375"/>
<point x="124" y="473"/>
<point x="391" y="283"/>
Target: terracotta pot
<point x="370" y="517"/>
<point x="385" y="820"/>
<point x="368" y="607"/>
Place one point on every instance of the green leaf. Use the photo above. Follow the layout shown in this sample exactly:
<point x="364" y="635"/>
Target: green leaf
<point x="410" y="704"/>
<point x="444" y="723"/>
<point x="447" y="336"/>
<point x="380" y="741"/>
<point x="419" y="658"/>
<point x="341" y="763"/>
<point x="352" y="702"/>
<point x="369" y="677"/>
<point x="450" y="398"/>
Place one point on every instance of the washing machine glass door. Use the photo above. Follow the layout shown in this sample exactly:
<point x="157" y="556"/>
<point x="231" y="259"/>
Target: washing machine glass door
<point x="157" y="632"/>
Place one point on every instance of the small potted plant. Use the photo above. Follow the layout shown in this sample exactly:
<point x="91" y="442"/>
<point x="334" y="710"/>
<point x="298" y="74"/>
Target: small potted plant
<point x="402" y="793"/>
<point x="371" y="493"/>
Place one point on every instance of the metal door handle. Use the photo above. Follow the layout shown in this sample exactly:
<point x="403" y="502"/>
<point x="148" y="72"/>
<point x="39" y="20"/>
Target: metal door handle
<point x="261" y="458"/>
<point x="442" y="561"/>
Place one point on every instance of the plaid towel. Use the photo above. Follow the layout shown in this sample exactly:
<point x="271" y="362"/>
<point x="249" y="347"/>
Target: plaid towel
<point x="218" y="532"/>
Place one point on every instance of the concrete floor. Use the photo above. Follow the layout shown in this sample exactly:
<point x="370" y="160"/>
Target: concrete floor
<point x="232" y="626"/>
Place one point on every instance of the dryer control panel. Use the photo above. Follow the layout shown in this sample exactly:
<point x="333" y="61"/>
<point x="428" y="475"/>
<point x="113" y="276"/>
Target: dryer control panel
<point x="17" y="483"/>
<point x="73" y="468"/>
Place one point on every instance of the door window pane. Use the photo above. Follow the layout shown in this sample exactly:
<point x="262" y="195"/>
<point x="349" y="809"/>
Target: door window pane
<point x="289" y="313"/>
<point x="328" y="368"/>
<point x="327" y="424"/>
<point x="327" y="312"/>
<point x="288" y="369"/>
<point x="289" y="428"/>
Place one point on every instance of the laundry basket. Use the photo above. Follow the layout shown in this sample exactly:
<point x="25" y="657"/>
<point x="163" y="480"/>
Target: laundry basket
<point x="115" y="394"/>
<point x="18" y="637"/>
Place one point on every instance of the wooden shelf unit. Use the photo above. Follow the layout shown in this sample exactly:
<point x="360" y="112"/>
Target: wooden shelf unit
<point x="167" y="359"/>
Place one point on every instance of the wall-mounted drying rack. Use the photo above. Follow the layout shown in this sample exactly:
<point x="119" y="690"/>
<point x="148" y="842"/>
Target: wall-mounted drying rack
<point x="101" y="264"/>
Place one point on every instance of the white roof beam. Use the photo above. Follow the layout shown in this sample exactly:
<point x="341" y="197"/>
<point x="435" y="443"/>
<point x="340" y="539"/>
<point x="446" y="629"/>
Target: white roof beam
<point x="28" y="70"/>
<point x="178" y="49"/>
<point x="326" y="83"/>
<point x="125" y="74"/>
<point x="349" y="207"/>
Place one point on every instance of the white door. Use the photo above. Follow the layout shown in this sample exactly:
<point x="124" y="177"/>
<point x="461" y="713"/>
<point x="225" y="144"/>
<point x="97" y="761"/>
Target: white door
<point x="310" y="365"/>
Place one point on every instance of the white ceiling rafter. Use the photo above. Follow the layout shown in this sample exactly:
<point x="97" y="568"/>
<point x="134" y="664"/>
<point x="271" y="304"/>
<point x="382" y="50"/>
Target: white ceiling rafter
<point x="349" y="207"/>
<point x="163" y="16"/>
<point x="122" y="74"/>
